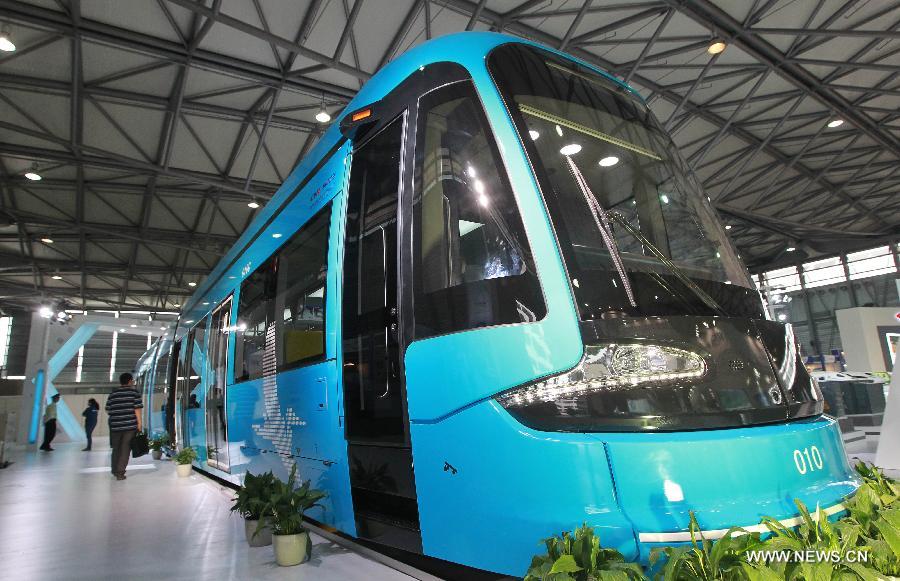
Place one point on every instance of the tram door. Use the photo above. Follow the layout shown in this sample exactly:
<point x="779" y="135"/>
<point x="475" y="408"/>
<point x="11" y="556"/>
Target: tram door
<point x="376" y="427"/>
<point x="216" y="414"/>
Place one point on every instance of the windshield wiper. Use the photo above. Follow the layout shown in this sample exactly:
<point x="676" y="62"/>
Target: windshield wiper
<point x="671" y="266"/>
<point x="602" y="221"/>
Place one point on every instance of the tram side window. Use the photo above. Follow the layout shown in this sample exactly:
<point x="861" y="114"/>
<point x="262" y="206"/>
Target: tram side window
<point x="254" y="318"/>
<point x="471" y="259"/>
<point x="300" y="293"/>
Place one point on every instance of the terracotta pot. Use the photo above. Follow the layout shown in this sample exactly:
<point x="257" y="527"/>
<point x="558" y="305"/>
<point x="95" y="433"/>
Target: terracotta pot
<point x="157" y="454"/>
<point x="291" y="549"/>
<point x="262" y="539"/>
<point x="184" y="470"/>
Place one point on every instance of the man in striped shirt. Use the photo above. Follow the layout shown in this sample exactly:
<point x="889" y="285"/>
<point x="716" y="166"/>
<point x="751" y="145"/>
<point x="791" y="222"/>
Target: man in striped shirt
<point x="123" y="406"/>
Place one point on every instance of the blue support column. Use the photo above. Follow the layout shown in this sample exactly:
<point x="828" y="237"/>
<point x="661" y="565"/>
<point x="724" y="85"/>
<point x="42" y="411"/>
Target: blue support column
<point x="44" y="388"/>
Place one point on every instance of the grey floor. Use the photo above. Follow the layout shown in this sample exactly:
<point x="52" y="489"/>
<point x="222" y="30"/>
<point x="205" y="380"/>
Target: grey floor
<point x="63" y="516"/>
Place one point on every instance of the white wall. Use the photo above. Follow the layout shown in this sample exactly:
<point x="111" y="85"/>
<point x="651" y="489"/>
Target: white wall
<point x="859" y="335"/>
<point x="77" y="403"/>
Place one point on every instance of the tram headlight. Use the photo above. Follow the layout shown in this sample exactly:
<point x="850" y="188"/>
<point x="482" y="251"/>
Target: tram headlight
<point x="612" y="367"/>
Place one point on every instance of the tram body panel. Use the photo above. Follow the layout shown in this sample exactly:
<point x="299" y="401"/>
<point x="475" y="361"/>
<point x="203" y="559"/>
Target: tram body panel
<point x="485" y="480"/>
<point x="728" y="478"/>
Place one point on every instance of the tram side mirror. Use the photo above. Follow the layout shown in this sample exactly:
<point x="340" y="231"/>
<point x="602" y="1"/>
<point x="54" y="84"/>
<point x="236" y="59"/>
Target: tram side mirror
<point x="365" y="117"/>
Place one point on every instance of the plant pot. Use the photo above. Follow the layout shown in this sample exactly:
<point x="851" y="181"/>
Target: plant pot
<point x="184" y="470"/>
<point x="157" y="454"/>
<point x="291" y="549"/>
<point x="262" y="539"/>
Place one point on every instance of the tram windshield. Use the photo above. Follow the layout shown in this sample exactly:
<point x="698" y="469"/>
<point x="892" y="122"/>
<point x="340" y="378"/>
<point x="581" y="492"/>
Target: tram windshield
<point x="638" y="236"/>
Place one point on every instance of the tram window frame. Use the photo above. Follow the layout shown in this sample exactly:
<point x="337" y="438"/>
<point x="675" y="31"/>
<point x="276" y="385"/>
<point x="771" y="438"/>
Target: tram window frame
<point x="270" y="301"/>
<point x="502" y="291"/>
<point x="282" y="270"/>
<point x="264" y="301"/>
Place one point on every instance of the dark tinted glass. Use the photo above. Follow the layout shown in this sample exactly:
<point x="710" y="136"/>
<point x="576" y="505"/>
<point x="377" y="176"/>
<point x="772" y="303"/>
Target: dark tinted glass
<point x="372" y="398"/>
<point x="619" y="194"/>
<point x="471" y="260"/>
<point x="300" y="293"/>
<point x="254" y="318"/>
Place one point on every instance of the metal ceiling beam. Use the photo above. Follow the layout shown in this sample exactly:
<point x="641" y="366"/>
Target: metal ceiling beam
<point x="156" y="47"/>
<point x="707" y="14"/>
<point x="108" y="160"/>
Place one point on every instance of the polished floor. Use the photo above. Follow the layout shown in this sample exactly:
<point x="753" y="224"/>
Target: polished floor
<point x="63" y="516"/>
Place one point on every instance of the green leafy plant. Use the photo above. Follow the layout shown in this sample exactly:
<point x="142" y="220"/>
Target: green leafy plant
<point x="185" y="456"/>
<point x="160" y="441"/>
<point x="725" y="558"/>
<point x="287" y="504"/>
<point x="579" y="557"/>
<point x="872" y="527"/>
<point x="818" y="534"/>
<point x="250" y="500"/>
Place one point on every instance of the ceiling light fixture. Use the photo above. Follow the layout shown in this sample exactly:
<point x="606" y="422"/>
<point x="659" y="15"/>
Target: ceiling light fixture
<point x="47" y="240"/>
<point x="33" y="175"/>
<point x="6" y="43"/>
<point x="609" y="161"/>
<point x="253" y="204"/>
<point x="534" y="134"/>
<point x="322" y="116"/>
<point x="56" y="277"/>
<point x="790" y="249"/>
<point x="716" y="47"/>
<point x="276" y="235"/>
<point x="728" y="226"/>
<point x="570" y="149"/>
<point x="835" y="123"/>
<point x="192" y="283"/>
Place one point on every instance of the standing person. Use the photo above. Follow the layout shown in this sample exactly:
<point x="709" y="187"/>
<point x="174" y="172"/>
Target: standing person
<point x="124" y="409"/>
<point x="90" y="421"/>
<point x="50" y="423"/>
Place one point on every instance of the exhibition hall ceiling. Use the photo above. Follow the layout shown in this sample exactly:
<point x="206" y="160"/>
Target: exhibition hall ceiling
<point x="153" y="124"/>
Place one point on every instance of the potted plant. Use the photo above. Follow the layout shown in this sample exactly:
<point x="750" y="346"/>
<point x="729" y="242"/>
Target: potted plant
<point x="183" y="460"/>
<point x="250" y="502"/>
<point x="286" y="505"/>
<point x="157" y="443"/>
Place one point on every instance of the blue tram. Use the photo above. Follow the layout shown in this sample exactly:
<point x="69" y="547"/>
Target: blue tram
<point x="493" y="303"/>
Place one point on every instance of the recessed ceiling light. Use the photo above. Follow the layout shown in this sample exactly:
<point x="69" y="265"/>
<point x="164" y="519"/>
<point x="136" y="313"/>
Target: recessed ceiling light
<point x="534" y="134"/>
<point x="47" y="240"/>
<point x="6" y="43"/>
<point x="609" y="161"/>
<point x="192" y="283"/>
<point x="716" y="47"/>
<point x="835" y="123"/>
<point x="33" y="176"/>
<point x="254" y="204"/>
<point x="790" y="249"/>
<point x="570" y="149"/>
<point x="276" y="235"/>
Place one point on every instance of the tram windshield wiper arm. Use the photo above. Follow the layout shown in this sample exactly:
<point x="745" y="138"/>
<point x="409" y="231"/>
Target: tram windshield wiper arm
<point x="671" y="266"/>
<point x="601" y="220"/>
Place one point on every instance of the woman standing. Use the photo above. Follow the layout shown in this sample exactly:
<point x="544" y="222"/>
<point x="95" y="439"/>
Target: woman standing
<point x="90" y="420"/>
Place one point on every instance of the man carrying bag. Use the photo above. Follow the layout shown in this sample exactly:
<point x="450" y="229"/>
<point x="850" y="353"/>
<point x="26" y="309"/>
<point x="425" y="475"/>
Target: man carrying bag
<point x="124" y="409"/>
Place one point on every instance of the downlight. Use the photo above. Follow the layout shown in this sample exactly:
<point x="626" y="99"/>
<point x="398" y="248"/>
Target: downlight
<point x="611" y="368"/>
